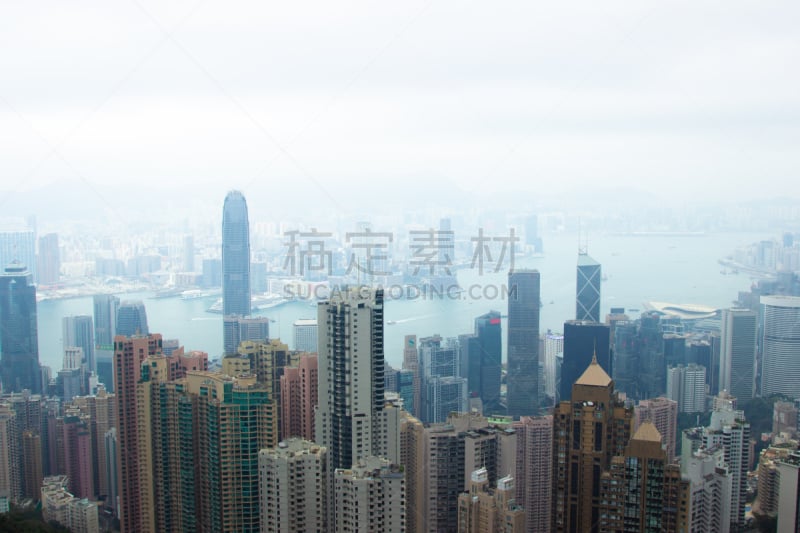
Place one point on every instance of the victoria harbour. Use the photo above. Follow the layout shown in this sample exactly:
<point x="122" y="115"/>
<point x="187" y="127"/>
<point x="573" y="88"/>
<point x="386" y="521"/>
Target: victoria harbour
<point x="673" y="268"/>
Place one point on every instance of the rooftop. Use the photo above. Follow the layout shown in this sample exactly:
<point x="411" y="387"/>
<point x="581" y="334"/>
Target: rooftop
<point x="594" y="375"/>
<point x="647" y="432"/>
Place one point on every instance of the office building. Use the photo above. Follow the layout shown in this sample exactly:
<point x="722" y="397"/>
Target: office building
<point x="523" y="343"/>
<point x="239" y="329"/>
<point x="588" y="431"/>
<point x="780" y="346"/>
<point x="486" y="509"/>
<point x="49" y="260"/>
<point x="485" y="362"/>
<point x="299" y="398"/>
<point x="687" y="386"/>
<point x="587" y="300"/>
<point x="105" y="319"/>
<point x="534" y="470"/>
<point x="19" y="246"/>
<point x="443" y="390"/>
<point x="305" y="335"/>
<point x="131" y="319"/>
<point x="663" y="413"/>
<point x="553" y="347"/>
<point x="19" y="342"/>
<point x="78" y="331"/>
<point x="293" y="481"/>
<point x="738" y="352"/>
<point x="411" y="365"/>
<point x="235" y="256"/>
<point x="642" y="491"/>
<point x="349" y="420"/>
<point x="370" y="496"/>
<point x="582" y="340"/>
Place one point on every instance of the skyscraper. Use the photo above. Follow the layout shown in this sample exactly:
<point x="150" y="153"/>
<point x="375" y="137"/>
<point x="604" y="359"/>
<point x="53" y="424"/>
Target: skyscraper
<point x="484" y="509"/>
<point x="238" y="329"/>
<point x="105" y="319"/>
<point x="687" y="386"/>
<point x="131" y="319"/>
<point x="77" y="332"/>
<point x="299" y="397"/>
<point x="235" y="256"/>
<point x="349" y="420"/>
<point x="49" y="259"/>
<point x="19" y="245"/>
<point x="534" y="470"/>
<point x="587" y="432"/>
<point x="587" y="301"/>
<point x="19" y="341"/>
<point x="781" y="344"/>
<point x="663" y="413"/>
<point x="305" y="335"/>
<point x="523" y="343"/>
<point x="489" y="331"/>
<point x="370" y="496"/>
<point x="581" y="340"/>
<point x="738" y="352"/>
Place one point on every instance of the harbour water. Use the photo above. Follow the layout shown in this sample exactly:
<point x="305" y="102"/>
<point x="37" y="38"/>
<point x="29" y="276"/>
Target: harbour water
<point x="678" y="269"/>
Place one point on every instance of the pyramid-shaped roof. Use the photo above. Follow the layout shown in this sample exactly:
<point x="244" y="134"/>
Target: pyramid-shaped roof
<point x="594" y="375"/>
<point x="647" y="432"/>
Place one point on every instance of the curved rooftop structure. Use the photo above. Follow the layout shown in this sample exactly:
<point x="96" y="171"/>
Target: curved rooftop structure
<point x="682" y="311"/>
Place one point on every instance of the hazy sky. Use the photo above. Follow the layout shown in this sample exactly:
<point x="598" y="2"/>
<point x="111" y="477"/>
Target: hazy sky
<point x="343" y="100"/>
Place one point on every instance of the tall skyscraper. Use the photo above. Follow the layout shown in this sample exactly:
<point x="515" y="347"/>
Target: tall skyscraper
<point x="349" y="420"/>
<point x="235" y="256"/>
<point x="738" y="352"/>
<point x="587" y="301"/>
<point x="129" y="354"/>
<point x="710" y="490"/>
<point x="687" y="386"/>
<point x="523" y="343"/>
<point x="19" y="341"/>
<point x="293" y="487"/>
<point x="11" y="476"/>
<point x="789" y="491"/>
<point x="238" y="329"/>
<point x="489" y="331"/>
<point x="305" y="335"/>
<point x="581" y="340"/>
<point x="781" y="344"/>
<point x="105" y="319"/>
<point x="299" y="398"/>
<point x="411" y="364"/>
<point x="553" y="347"/>
<point x="663" y="413"/>
<point x="49" y="259"/>
<point x="486" y="509"/>
<point x="534" y="473"/>
<point x="19" y="245"/>
<point x="588" y="431"/>
<point x="131" y="319"/>
<point x="77" y="332"/>
<point x="443" y="390"/>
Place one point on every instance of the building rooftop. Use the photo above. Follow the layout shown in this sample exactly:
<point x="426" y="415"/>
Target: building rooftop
<point x="594" y="375"/>
<point x="647" y="432"/>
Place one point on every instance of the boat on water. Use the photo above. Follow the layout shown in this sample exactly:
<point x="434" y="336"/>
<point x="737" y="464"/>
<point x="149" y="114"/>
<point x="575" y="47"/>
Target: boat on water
<point x="259" y="302"/>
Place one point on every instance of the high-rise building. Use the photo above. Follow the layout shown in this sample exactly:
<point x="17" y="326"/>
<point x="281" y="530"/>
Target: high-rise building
<point x="582" y="340"/>
<point x="77" y="331"/>
<point x="239" y="329"/>
<point x="487" y="363"/>
<point x="293" y="482"/>
<point x="523" y="343"/>
<point x="710" y="490"/>
<point x="299" y="398"/>
<point x="105" y="319"/>
<point x="768" y="490"/>
<point x="235" y="256"/>
<point x="10" y="474"/>
<point x="129" y="354"/>
<point x="188" y="253"/>
<point x="738" y="352"/>
<point x="411" y="364"/>
<point x="19" y="246"/>
<point x="305" y="335"/>
<point x="789" y="499"/>
<point x="370" y="496"/>
<point x="534" y="470"/>
<point x="111" y="447"/>
<point x="781" y="343"/>
<point x="19" y="341"/>
<point x="587" y="301"/>
<point x="49" y="259"/>
<point x="78" y="454"/>
<point x="642" y="491"/>
<point x="687" y="386"/>
<point x="588" y="431"/>
<point x="663" y="413"/>
<point x="553" y="347"/>
<point x="131" y="319"/>
<point x="483" y="509"/>
<point x="443" y="390"/>
<point x="32" y="467"/>
<point x="349" y="420"/>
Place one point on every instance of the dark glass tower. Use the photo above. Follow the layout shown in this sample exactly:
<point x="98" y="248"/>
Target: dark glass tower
<point x="582" y="339"/>
<point x="523" y="343"/>
<point x="77" y="331"/>
<point x="489" y="331"/>
<point x="105" y="319"/>
<point x="587" y="301"/>
<point x="19" y="342"/>
<point x="235" y="256"/>
<point x="132" y="319"/>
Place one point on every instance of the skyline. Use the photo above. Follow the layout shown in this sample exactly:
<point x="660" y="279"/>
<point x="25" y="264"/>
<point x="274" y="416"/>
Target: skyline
<point x="312" y="103"/>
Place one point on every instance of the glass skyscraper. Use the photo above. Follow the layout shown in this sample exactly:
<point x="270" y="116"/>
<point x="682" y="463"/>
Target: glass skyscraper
<point x="235" y="256"/>
<point x="132" y="319"/>
<point x="19" y="342"/>
<point x="489" y="331"/>
<point x="587" y="301"/>
<point x="523" y="343"/>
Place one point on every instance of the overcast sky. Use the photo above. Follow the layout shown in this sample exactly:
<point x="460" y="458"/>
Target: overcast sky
<point x="341" y="100"/>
